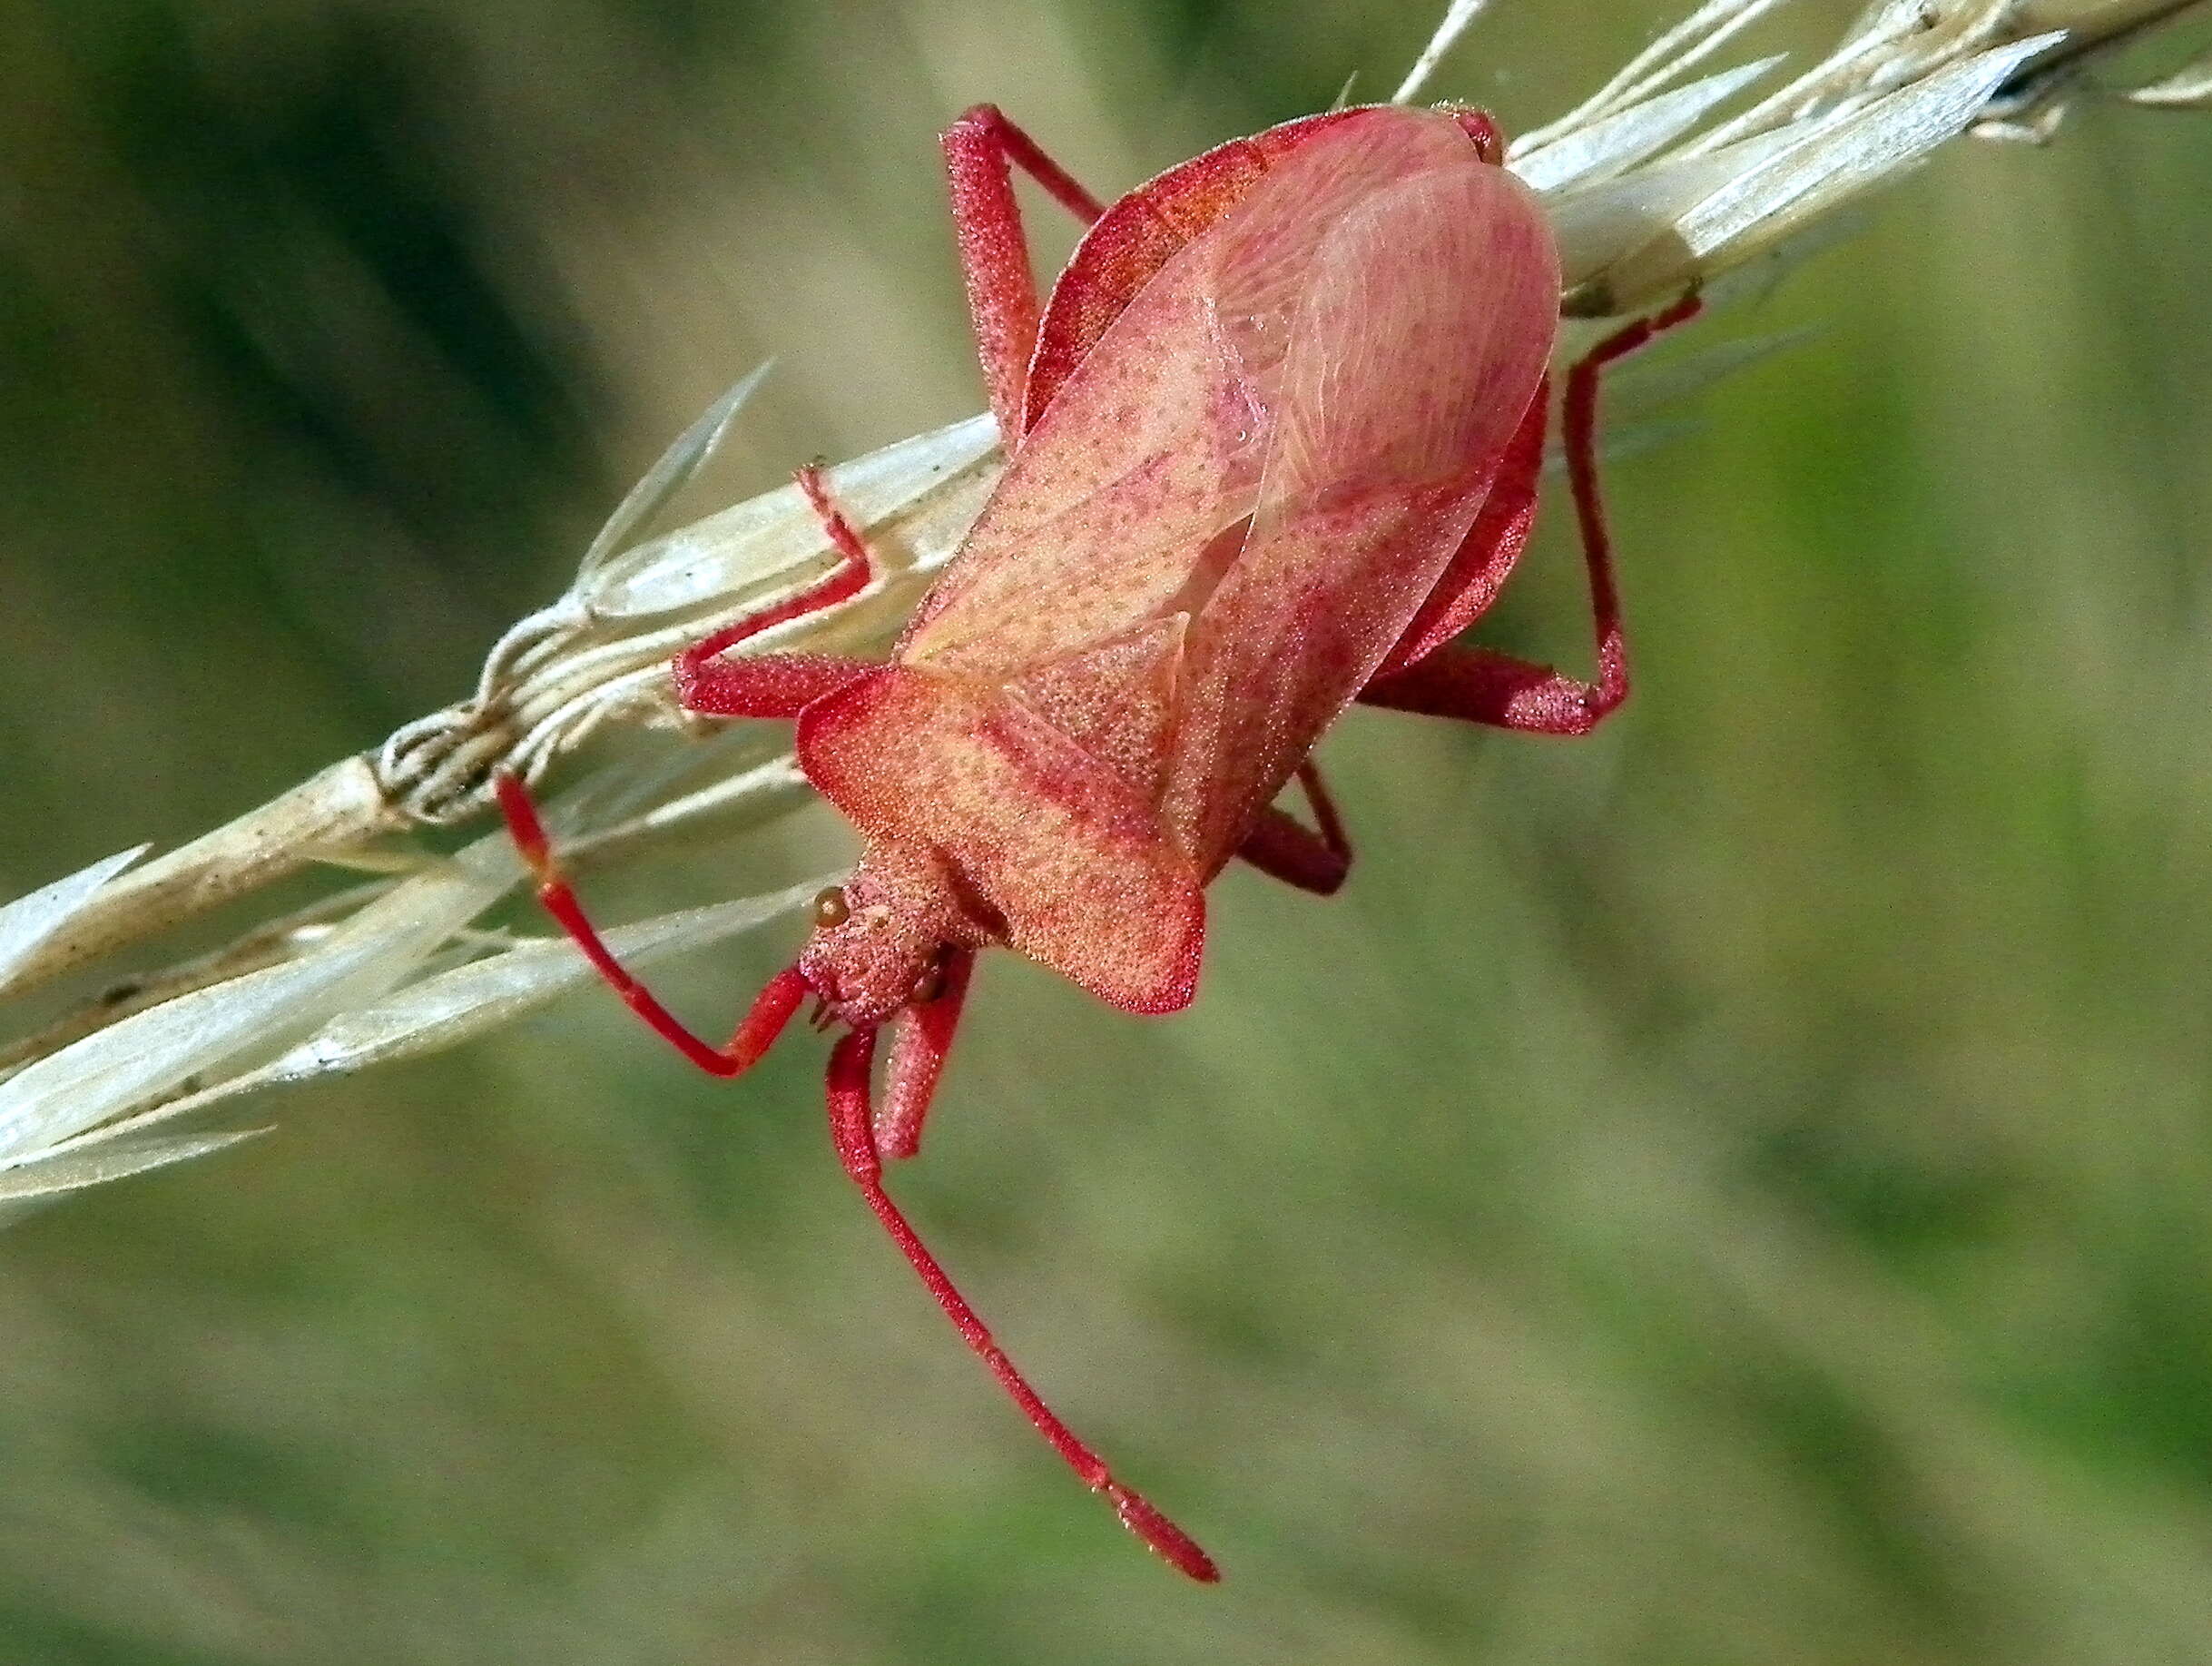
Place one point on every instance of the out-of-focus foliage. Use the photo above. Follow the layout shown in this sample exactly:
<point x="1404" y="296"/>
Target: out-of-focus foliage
<point x="1732" y="1189"/>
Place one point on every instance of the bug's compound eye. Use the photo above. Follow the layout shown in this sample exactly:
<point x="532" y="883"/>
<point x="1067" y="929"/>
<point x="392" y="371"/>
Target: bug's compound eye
<point x="930" y="985"/>
<point x="830" y="907"/>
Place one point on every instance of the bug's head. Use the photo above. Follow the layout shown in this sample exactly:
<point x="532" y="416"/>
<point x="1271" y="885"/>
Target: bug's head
<point x="883" y="942"/>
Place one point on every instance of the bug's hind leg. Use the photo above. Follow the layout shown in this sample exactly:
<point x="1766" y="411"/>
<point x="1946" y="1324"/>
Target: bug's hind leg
<point x="781" y="684"/>
<point x="1316" y="859"/>
<point x="981" y="150"/>
<point x="1479" y="686"/>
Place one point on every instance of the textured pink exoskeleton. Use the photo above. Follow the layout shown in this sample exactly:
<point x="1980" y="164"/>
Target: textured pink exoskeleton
<point x="1274" y="443"/>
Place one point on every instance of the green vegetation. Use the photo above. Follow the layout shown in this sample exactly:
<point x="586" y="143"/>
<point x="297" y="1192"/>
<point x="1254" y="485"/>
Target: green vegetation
<point x="1735" y="1189"/>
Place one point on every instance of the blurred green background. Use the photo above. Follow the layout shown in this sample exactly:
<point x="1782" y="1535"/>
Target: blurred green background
<point x="1735" y="1189"/>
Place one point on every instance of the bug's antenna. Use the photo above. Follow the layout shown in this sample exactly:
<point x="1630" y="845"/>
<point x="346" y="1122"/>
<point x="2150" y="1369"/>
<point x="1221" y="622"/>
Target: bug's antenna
<point x="756" y="1033"/>
<point x="851" y="1131"/>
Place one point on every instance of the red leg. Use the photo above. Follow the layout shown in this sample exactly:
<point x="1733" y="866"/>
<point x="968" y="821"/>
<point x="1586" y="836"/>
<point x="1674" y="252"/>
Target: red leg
<point x="1481" y="687"/>
<point x="1486" y="555"/>
<point x="1478" y="685"/>
<point x="780" y="685"/>
<point x="981" y="151"/>
<point x="772" y="1009"/>
<point x="764" y="685"/>
<point x="851" y="1131"/>
<point x="1278" y="844"/>
<point x="917" y="1059"/>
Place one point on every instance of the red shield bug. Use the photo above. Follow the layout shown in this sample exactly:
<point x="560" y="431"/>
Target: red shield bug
<point x="1274" y="443"/>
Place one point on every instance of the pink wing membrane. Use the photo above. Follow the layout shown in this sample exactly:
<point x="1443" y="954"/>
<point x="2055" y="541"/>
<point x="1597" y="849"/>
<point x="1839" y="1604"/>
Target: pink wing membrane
<point x="1426" y="320"/>
<point x="1155" y="443"/>
<point x="1153" y="446"/>
<point x="1228" y="513"/>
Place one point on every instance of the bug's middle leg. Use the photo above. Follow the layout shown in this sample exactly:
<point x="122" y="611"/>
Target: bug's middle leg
<point x="981" y="150"/>
<point x="1316" y="859"/>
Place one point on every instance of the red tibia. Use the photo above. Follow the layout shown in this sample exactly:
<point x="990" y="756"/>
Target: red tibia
<point x="1481" y="687"/>
<point x="917" y="1059"/>
<point x="981" y="150"/>
<point x="1579" y="433"/>
<point x="851" y="1132"/>
<point x="992" y="127"/>
<point x="779" y="685"/>
<point x="1312" y="861"/>
<point x="771" y="1010"/>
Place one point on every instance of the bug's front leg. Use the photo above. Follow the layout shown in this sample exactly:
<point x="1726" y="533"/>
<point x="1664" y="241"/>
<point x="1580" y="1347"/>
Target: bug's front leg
<point x="771" y="1011"/>
<point x="917" y="1058"/>
<point x="981" y="150"/>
